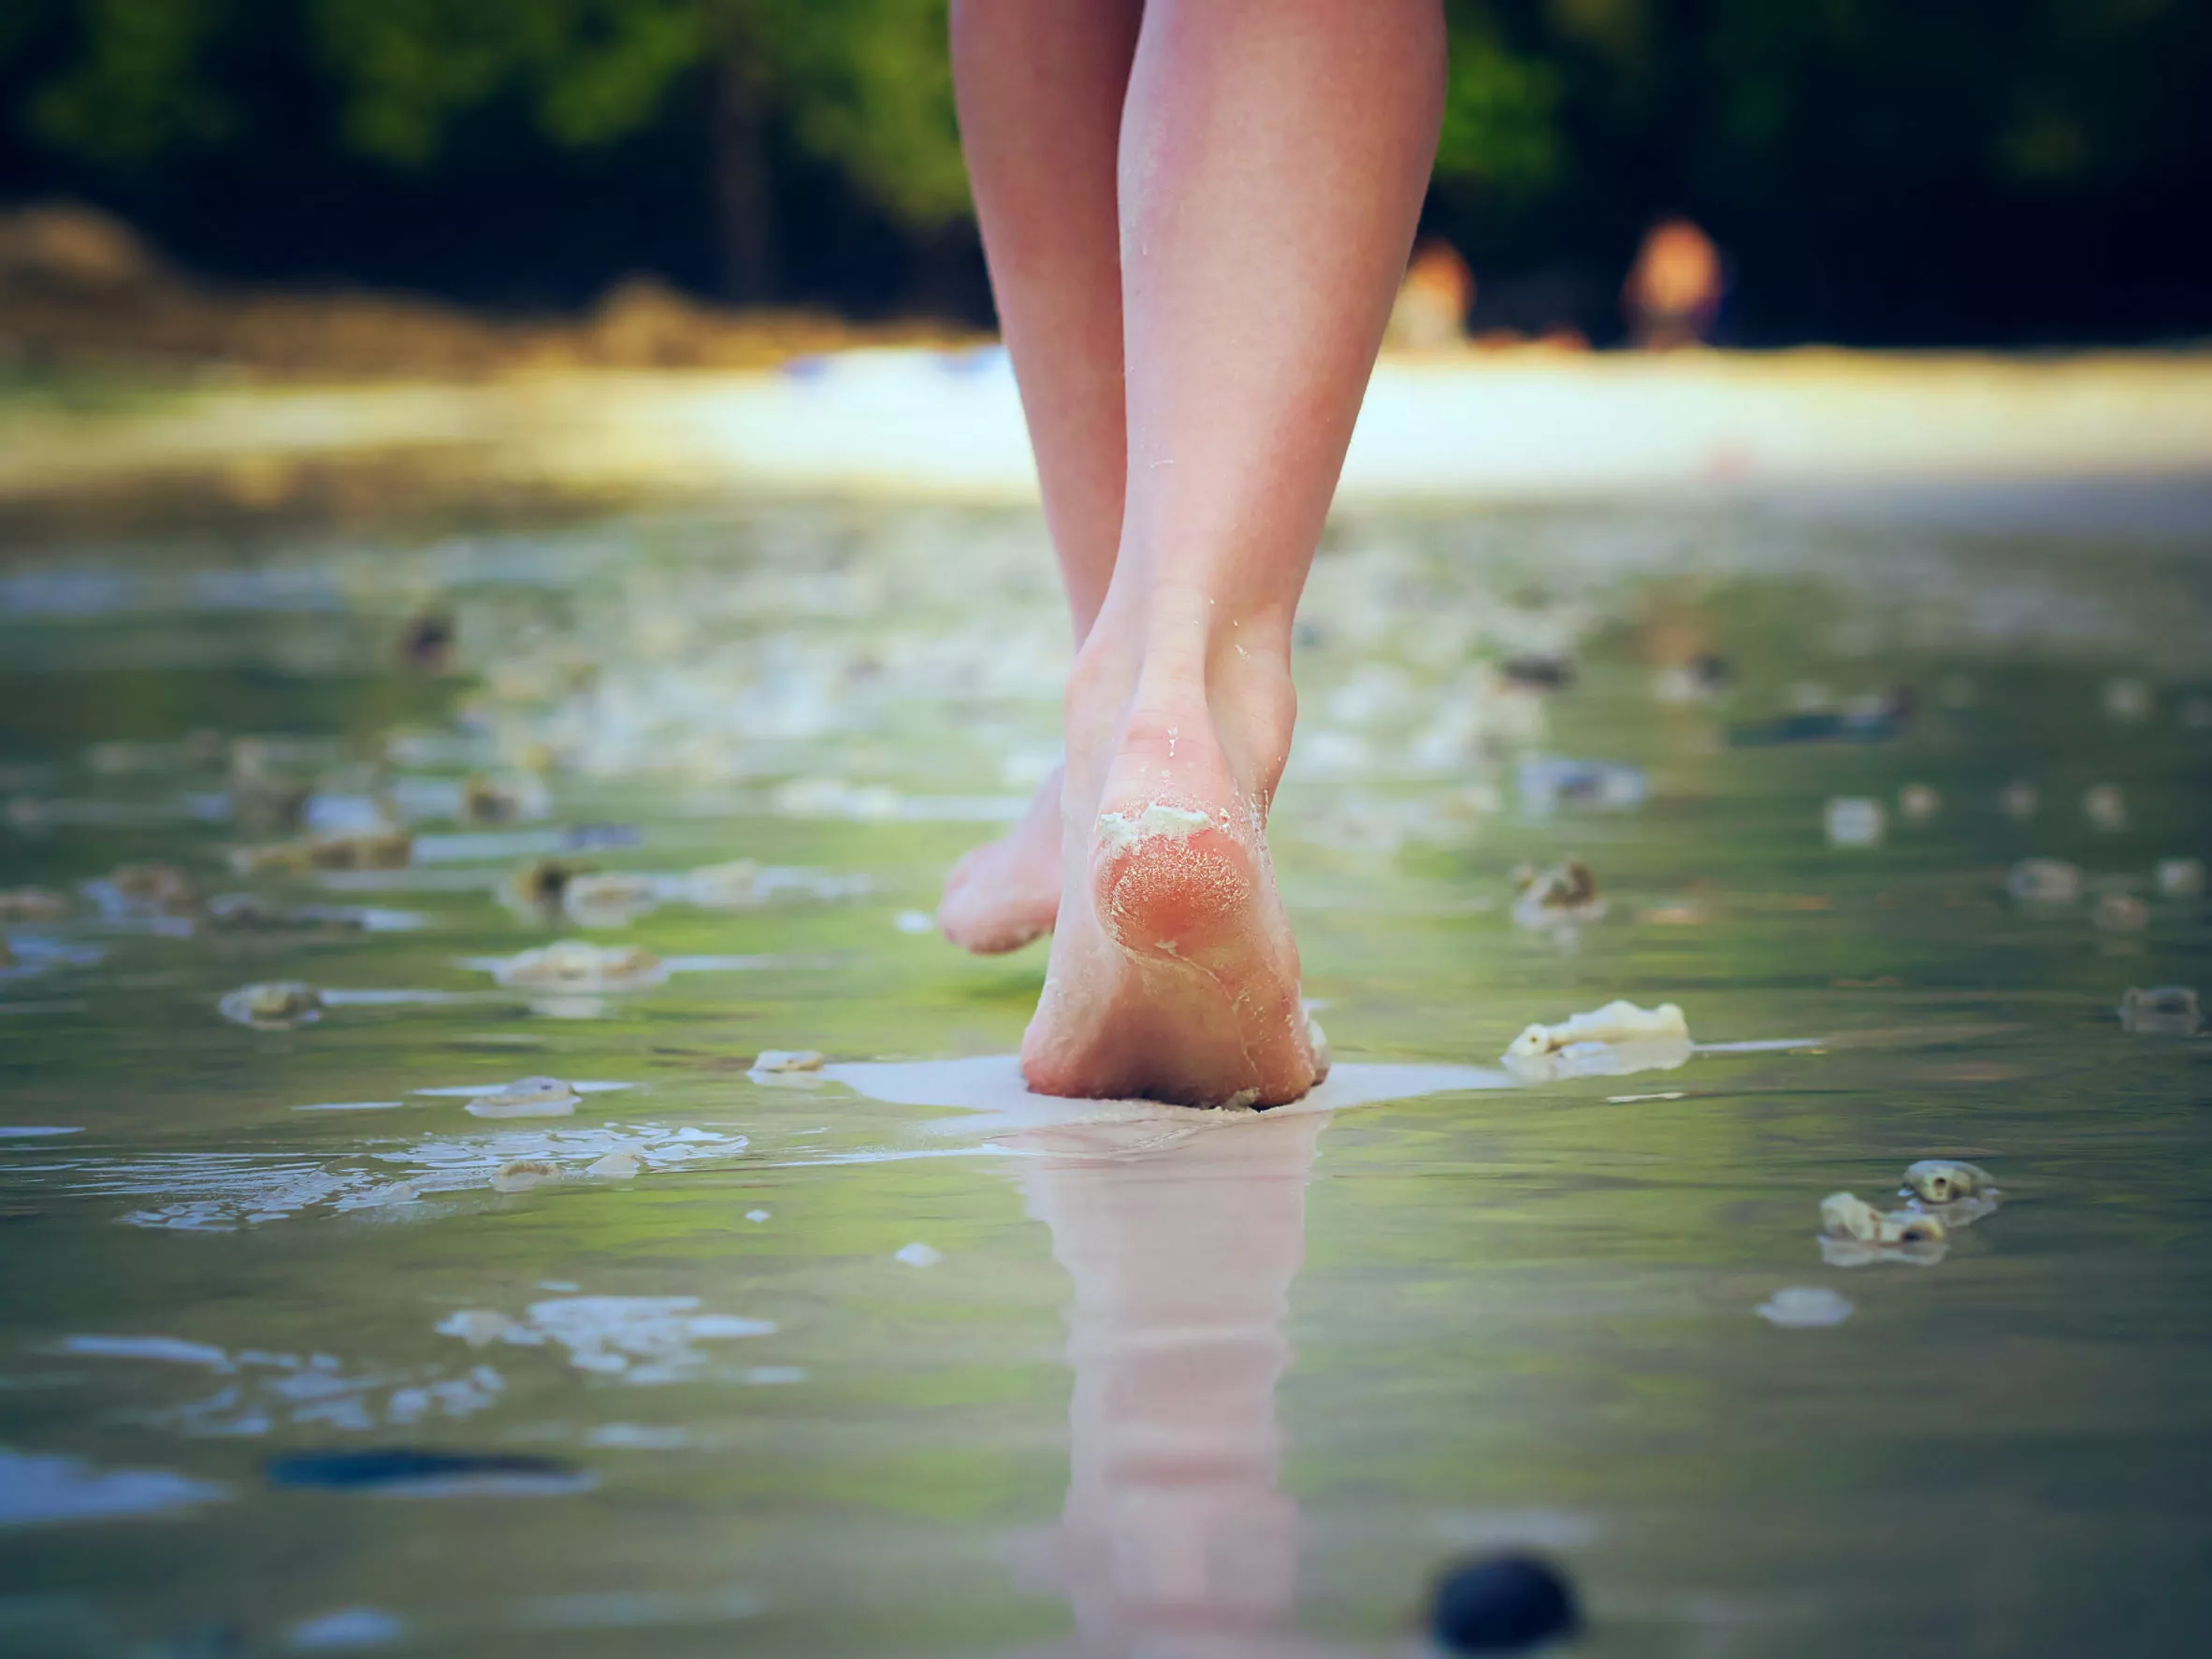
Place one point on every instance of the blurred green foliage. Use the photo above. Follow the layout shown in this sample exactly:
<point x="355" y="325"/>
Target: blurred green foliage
<point x="1823" y="141"/>
<point x="864" y="84"/>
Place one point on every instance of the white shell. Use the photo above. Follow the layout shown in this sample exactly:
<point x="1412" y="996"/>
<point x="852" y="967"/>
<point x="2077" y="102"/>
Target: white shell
<point x="526" y="1097"/>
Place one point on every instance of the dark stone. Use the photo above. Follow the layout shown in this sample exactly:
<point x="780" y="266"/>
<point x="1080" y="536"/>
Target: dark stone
<point x="1538" y="673"/>
<point x="1505" y="1604"/>
<point x="406" y="1471"/>
<point x="428" y="643"/>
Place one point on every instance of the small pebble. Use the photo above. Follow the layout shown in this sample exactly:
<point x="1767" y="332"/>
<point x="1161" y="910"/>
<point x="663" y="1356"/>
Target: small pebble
<point x="2045" y="881"/>
<point x="1536" y="672"/>
<point x="2019" y="801"/>
<point x="1918" y="802"/>
<point x="1853" y="820"/>
<point x="276" y="1005"/>
<point x="1508" y="1604"/>
<point x="2128" y="697"/>
<point x="918" y="1255"/>
<point x="2121" y="912"/>
<point x="501" y="800"/>
<point x="2179" y="878"/>
<point x="409" y="1472"/>
<point x="1806" y="1308"/>
<point x="2106" y="807"/>
<point x="755" y="1215"/>
<point x="540" y="886"/>
<point x="520" y="1175"/>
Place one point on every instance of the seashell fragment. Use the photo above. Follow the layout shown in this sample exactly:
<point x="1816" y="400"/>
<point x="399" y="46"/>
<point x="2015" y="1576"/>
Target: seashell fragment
<point x="159" y="889"/>
<point x="275" y="1005"/>
<point x="576" y="965"/>
<point x="2163" y="1011"/>
<point x="1855" y="820"/>
<point x="610" y="901"/>
<point x="1611" y="1041"/>
<point x="1843" y="1216"/>
<point x="2106" y="807"/>
<point x="1805" y="1307"/>
<point x="526" y="1097"/>
<point x="618" y="1165"/>
<point x="361" y="849"/>
<point x="519" y="1175"/>
<point x="1564" y="895"/>
<point x="31" y="904"/>
<point x="732" y="885"/>
<point x="280" y="858"/>
<point x="788" y="1060"/>
<point x="1945" y="1180"/>
<point x="2043" y="880"/>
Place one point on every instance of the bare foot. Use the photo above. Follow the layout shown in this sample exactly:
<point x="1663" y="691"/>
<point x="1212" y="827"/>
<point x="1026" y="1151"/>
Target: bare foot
<point x="1006" y="892"/>
<point x="1174" y="973"/>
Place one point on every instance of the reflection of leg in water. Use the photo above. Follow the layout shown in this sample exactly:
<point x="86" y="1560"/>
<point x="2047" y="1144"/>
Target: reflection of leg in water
<point x="1176" y="1538"/>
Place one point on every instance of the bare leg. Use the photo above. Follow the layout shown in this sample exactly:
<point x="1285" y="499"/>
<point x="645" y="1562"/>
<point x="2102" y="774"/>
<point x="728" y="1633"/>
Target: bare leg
<point x="1273" y="158"/>
<point x="1041" y="87"/>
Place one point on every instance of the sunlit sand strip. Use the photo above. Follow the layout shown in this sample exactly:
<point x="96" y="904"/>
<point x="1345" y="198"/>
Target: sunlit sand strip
<point x="919" y="424"/>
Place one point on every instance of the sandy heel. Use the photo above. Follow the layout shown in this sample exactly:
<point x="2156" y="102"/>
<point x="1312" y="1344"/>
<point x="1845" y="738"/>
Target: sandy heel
<point x="1173" y="884"/>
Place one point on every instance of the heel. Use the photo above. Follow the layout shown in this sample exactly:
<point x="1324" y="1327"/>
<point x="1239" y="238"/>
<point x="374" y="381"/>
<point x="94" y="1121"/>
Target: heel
<point x="1171" y="883"/>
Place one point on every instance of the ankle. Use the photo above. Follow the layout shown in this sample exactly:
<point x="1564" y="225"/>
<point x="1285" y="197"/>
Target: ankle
<point x="1178" y="700"/>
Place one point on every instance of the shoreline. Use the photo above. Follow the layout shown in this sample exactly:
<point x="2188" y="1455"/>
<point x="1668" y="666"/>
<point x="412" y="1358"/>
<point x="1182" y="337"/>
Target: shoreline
<point x="927" y="425"/>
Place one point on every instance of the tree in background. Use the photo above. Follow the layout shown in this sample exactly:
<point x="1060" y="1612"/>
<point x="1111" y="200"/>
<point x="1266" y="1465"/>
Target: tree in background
<point x="1881" y="170"/>
<point x="862" y="86"/>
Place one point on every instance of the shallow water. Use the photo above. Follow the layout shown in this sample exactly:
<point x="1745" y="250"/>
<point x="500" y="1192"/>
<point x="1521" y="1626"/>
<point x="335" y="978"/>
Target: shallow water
<point x="890" y="1359"/>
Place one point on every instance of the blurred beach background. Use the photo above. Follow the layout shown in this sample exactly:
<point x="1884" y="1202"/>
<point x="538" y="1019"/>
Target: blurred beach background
<point x="355" y="258"/>
<point x="518" y="555"/>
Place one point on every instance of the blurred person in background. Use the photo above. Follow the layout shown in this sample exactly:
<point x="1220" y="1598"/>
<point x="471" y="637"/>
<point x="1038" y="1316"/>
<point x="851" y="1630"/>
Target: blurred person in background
<point x="1430" y="311"/>
<point x="1673" y="292"/>
<point x="1196" y="214"/>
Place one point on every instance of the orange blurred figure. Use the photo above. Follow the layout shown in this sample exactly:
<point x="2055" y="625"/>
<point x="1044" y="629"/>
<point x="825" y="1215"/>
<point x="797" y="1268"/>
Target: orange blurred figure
<point x="1430" y="311"/>
<point x="1672" y="293"/>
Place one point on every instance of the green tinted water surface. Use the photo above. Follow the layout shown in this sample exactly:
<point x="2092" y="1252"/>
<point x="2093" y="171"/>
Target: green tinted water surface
<point x="1157" y="1385"/>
